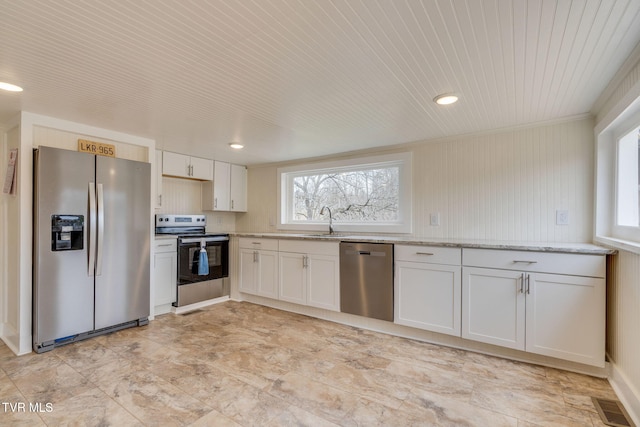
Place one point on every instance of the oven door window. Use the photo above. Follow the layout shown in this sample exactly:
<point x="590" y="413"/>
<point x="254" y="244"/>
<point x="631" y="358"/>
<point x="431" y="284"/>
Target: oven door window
<point x="189" y="259"/>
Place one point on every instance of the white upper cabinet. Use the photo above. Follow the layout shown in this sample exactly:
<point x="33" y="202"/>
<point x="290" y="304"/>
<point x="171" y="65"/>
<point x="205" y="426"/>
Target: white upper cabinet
<point x="238" y="187"/>
<point x="221" y="186"/>
<point x="182" y="166"/>
<point x="228" y="191"/>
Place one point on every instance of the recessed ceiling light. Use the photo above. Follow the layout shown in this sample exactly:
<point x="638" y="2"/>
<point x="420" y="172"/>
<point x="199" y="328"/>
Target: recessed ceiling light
<point x="10" y="87"/>
<point x="236" y="145"/>
<point x="445" y="99"/>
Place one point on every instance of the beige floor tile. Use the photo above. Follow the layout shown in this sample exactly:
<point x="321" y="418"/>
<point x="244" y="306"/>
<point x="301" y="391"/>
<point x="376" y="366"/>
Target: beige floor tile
<point x="528" y="402"/>
<point x="52" y="385"/>
<point x="294" y="416"/>
<point x="155" y="401"/>
<point x="92" y="408"/>
<point x="215" y="419"/>
<point x="320" y="399"/>
<point x="241" y="364"/>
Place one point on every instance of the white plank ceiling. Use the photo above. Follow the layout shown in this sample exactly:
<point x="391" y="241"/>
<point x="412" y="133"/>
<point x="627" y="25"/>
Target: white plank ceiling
<point x="301" y="78"/>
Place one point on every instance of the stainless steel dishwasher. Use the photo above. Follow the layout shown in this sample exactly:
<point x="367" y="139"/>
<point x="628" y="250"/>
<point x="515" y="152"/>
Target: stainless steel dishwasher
<point x="366" y="279"/>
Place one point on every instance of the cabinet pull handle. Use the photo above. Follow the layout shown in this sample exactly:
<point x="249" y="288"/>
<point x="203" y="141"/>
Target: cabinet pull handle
<point x="166" y="244"/>
<point x="424" y="253"/>
<point x="524" y="261"/>
<point x="305" y="261"/>
<point x="255" y="256"/>
<point x="256" y="243"/>
<point x="160" y="196"/>
<point x="231" y="204"/>
<point x="528" y="284"/>
<point x="522" y="283"/>
<point x="215" y="203"/>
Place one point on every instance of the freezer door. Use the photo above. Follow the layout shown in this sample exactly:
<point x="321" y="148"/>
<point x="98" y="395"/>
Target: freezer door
<point x="124" y="239"/>
<point x="62" y="285"/>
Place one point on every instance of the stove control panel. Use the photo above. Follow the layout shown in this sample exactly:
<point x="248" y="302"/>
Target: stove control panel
<point x="165" y="220"/>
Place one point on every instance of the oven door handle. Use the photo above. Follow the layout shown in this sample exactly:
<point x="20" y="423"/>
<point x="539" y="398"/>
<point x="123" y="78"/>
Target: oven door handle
<point x="206" y="239"/>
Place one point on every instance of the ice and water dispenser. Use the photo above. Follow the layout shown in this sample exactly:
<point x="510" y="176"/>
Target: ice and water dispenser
<point x="67" y="232"/>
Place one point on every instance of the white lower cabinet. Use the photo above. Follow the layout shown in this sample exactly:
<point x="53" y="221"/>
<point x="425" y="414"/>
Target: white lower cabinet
<point x="259" y="267"/>
<point x="557" y="315"/>
<point x="310" y="273"/>
<point x="428" y="288"/>
<point x="493" y="310"/>
<point x="566" y="317"/>
<point x="293" y="277"/>
<point x="165" y="268"/>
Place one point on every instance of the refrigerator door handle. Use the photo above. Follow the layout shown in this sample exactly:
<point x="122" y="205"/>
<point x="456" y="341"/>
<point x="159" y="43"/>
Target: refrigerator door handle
<point x="92" y="229"/>
<point x="99" y="251"/>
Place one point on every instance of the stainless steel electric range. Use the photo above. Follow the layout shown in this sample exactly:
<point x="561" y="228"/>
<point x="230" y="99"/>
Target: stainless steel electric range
<point x="197" y="284"/>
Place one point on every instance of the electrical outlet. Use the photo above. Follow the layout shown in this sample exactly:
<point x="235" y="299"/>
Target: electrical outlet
<point x="219" y="220"/>
<point x="434" y="219"/>
<point x="562" y="217"/>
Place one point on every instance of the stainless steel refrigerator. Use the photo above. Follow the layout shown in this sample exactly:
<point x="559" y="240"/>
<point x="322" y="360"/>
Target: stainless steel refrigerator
<point x="91" y="246"/>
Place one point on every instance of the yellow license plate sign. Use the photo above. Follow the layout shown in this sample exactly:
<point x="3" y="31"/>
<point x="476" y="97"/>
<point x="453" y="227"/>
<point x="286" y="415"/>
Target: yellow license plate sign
<point x="99" y="148"/>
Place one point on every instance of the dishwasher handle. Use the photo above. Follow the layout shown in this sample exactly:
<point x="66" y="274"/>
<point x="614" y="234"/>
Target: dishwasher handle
<point x="365" y="253"/>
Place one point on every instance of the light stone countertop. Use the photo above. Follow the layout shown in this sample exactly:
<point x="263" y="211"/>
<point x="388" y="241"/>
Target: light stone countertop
<point x="575" y="248"/>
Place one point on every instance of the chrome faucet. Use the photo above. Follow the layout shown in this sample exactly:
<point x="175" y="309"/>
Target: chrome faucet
<point x="330" y="218"/>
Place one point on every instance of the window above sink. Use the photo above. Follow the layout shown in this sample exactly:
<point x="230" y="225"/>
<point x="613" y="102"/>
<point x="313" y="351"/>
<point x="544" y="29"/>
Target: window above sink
<point x="371" y="194"/>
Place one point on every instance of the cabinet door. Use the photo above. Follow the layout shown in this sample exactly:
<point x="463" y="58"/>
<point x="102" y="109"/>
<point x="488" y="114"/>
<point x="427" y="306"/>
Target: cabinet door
<point x="493" y="307"/>
<point x="221" y="186"/>
<point x="267" y="278"/>
<point x="428" y="296"/>
<point x="165" y="271"/>
<point x="248" y="271"/>
<point x="323" y="278"/>
<point x="174" y="164"/>
<point x="238" y="191"/>
<point x="201" y="169"/>
<point x="292" y="277"/>
<point x="566" y="317"/>
<point x="158" y="179"/>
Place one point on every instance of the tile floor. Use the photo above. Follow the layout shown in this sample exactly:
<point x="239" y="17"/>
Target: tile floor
<point x="240" y="364"/>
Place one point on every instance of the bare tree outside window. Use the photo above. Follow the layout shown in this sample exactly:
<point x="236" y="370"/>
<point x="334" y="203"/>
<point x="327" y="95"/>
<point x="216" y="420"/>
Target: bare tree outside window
<point x="367" y="195"/>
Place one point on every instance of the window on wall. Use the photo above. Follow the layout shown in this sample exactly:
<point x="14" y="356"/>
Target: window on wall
<point x="628" y="182"/>
<point x="618" y="180"/>
<point x="368" y="194"/>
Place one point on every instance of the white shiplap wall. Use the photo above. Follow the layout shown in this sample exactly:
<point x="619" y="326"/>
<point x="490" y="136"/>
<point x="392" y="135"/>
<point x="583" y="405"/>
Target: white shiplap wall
<point x="184" y="196"/>
<point x="623" y="316"/>
<point x="507" y="186"/>
<point x="57" y="138"/>
<point x="10" y="233"/>
<point x="623" y="283"/>
<point x="502" y="186"/>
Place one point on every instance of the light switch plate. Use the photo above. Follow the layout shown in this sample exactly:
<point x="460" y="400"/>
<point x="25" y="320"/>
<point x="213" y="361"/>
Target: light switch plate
<point x="434" y="219"/>
<point x="562" y="217"/>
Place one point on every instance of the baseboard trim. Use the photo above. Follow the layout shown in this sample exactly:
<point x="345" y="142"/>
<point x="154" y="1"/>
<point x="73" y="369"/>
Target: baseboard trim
<point x="626" y="392"/>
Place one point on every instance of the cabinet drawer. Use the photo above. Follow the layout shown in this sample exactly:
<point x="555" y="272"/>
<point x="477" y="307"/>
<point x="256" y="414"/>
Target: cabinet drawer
<point x="165" y="245"/>
<point x="543" y="262"/>
<point x="257" y="243"/>
<point x="430" y="254"/>
<point x="310" y="247"/>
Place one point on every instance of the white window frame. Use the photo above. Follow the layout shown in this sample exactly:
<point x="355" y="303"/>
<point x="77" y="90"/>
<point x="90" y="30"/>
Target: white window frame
<point x="402" y="225"/>
<point x="608" y="134"/>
